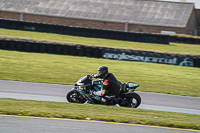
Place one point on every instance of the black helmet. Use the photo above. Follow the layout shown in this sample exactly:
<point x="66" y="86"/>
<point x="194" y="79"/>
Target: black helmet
<point x="101" y="71"/>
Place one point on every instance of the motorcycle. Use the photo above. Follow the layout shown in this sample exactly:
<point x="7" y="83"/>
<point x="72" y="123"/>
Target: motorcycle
<point x="80" y="93"/>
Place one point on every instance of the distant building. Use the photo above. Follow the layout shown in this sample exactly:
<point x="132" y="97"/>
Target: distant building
<point x="196" y="2"/>
<point x="197" y="10"/>
<point x="149" y="16"/>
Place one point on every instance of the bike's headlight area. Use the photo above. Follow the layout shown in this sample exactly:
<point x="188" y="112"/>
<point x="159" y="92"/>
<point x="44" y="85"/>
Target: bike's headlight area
<point x="78" y="88"/>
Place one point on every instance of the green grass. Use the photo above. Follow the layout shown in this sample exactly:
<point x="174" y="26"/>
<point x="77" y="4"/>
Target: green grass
<point x="64" y="69"/>
<point x="173" y="47"/>
<point x="186" y="36"/>
<point x="110" y="113"/>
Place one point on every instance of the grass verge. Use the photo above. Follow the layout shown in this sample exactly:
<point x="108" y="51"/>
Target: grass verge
<point x="64" y="69"/>
<point x="173" y="47"/>
<point x="110" y="113"/>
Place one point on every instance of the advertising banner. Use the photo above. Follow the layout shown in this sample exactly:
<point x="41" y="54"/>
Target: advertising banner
<point x="148" y="57"/>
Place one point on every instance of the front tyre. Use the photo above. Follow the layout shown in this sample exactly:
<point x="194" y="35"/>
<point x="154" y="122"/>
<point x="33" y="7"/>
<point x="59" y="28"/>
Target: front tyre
<point x="133" y="100"/>
<point x="75" y="97"/>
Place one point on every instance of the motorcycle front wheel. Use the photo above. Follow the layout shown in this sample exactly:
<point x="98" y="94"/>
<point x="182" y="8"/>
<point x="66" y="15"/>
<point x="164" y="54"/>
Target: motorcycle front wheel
<point x="75" y="97"/>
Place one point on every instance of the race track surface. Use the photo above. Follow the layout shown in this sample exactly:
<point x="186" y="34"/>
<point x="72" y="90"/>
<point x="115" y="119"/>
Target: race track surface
<point x="57" y="93"/>
<point x="13" y="124"/>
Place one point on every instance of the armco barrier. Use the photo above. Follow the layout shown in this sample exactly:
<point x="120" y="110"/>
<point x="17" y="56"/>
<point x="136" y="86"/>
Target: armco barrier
<point x="100" y="52"/>
<point x="85" y="32"/>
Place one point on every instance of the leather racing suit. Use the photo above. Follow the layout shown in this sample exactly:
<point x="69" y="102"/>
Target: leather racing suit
<point x="110" y="84"/>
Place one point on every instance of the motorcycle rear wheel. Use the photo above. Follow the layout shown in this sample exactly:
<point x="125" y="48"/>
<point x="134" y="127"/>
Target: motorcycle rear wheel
<point x="75" y="97"/>
<point x="133" y="100"/>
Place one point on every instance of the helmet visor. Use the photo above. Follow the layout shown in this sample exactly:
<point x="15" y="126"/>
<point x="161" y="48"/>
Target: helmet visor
<point x="99" y="73"/>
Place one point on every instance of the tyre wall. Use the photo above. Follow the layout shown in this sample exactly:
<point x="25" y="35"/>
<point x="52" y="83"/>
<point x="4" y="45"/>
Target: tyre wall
<point x="99" y="52"/>
<point x="98" y="33"/>
<point x="85" y="32"/>
<point x="185" y="40"/>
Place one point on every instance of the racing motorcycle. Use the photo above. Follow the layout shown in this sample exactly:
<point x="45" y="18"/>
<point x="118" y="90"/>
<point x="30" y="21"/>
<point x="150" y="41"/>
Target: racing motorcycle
<point x="80" y="93"/>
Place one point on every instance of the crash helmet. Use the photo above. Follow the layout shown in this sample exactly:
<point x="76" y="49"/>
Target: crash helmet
<point x="101" y="71"/>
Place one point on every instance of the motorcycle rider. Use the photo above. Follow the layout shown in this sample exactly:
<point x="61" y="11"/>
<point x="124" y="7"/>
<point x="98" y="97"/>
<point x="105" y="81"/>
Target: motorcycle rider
<point x="110" y="84"/>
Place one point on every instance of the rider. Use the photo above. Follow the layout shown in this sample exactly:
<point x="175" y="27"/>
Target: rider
<point x="110" y="84"/>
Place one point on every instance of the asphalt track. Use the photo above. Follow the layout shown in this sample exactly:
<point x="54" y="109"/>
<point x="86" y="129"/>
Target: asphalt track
<point x="57" y="93"/>
<point x="54" y="92"/>
<point x="15" y="124"/>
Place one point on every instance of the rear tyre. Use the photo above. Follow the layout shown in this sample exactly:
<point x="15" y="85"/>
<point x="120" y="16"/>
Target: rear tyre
<point x="133" y="100"/>
<point x="75" y="97"/>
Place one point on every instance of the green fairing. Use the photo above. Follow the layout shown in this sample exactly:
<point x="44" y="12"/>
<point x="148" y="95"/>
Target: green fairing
<point x="99" y="86"/>
<point x="131" y="90"/>
<point x="99" y="80"/>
